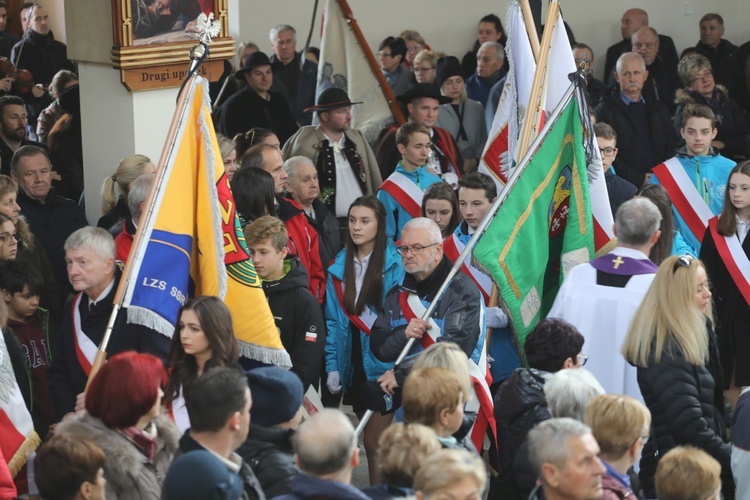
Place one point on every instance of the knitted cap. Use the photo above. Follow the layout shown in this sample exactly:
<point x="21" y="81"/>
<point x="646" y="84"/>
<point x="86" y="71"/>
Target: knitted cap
<point x="277" y="395"/>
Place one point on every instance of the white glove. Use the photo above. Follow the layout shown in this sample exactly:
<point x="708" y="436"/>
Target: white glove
<point x="495" y="317"/>
<point x="451" y="179"/>
<point x="334" y="382"/>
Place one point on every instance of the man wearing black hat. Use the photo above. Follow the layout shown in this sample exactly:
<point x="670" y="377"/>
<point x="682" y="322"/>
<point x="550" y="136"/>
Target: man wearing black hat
<point x="347" y="168"/>
<point x="256" y="105"/>
<point x="423" y="105"/>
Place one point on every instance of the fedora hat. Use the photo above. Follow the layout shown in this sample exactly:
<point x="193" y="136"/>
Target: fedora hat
<point x="252" y="61"/>
<point x="331" y="98"/>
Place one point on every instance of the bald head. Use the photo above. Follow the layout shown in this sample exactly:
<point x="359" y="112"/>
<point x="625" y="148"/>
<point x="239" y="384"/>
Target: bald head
<point x="631" y="20"/>
<point x="325" y="445"/>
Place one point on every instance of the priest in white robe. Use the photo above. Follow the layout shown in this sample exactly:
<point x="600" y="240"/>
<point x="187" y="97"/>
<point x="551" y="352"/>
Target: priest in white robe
<point x="600" y="298"/>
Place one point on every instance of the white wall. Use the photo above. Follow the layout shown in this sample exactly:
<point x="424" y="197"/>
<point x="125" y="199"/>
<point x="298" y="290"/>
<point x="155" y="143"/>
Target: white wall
<point x="450" y="25"/>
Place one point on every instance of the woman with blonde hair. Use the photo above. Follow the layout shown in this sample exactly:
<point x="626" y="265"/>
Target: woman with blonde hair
<point x="228" y="150"/>
<point x="672" y="343"/>
<point x="425" y="66"/>
<point x="451" y="474"/>
<point x="114" y="207"/>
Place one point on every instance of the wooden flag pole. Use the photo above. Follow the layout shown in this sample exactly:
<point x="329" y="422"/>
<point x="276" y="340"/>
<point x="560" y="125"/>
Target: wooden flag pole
<point x="374" y="67"/>
<point x="528" y="19"/>
<point x="534" y="107"/>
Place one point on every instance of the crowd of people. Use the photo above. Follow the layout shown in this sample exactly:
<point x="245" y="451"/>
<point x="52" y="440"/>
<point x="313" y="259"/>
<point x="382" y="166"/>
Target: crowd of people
<point x="659" y="321"/>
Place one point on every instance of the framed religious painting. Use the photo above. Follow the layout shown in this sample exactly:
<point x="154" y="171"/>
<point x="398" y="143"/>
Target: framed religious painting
<point x="153" y="38"/>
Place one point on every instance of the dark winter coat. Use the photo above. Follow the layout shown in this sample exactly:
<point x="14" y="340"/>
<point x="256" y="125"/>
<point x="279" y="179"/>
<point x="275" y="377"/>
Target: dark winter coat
<point x="303" y="96"/>
<point x="42" y="55"/>
<point x="129" y="474"/>
<point x="268" y="451"/>
<point x="721" y="58"/>
<point x="113" y="220"/>
<point x="246" y="109"/>
<point x="520" y="405"/>
<point x="686" y="405"/>
<point x="613" y="111"/>
<point x="329" y="233"/>
<point x="299" y="319"/>
<point x="310" y="487"/>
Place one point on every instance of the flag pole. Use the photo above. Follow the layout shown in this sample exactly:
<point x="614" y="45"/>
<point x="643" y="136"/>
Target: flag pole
<point x="148" y="215"/>
<point x="528" y="19"/>
<point x="540" y="78"/>
<point x="389" y="96"/>
<point x="466" y="252"/>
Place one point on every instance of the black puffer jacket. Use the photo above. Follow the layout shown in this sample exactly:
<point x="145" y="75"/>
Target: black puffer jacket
<point x="519" y="406"/>
<point x="268" y="451"/>
<point x="686" y="404"/>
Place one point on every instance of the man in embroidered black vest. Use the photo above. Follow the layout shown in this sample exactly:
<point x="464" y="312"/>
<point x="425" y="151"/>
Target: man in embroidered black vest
<point x="346" y="165"/>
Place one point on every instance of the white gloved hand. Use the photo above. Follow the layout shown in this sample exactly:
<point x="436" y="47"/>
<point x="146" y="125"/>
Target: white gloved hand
<point x="334" y="382"/>
<point x="451" y="179"/>
<point x="495" y="317"/>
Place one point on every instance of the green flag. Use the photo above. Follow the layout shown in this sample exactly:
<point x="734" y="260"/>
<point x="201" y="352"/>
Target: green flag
<point x="543" y="228"/>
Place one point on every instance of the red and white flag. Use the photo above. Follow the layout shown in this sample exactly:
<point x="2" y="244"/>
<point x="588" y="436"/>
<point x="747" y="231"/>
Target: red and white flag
<point x="343" y="65"/>
<point x="560" y="64"/>
<point x="18" y="440"/>
<point x="503" y="136"/>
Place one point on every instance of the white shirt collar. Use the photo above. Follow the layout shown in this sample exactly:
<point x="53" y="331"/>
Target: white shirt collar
<point x="103" y="294"/>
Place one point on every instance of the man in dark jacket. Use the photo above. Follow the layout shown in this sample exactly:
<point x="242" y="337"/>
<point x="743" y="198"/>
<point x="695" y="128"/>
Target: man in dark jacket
<point x="276" y="415"/>
<point x="298" y="315"/>
<point x="294" y="78"/>
<point x="326" y="452"/>
<point x="644" y="127"/>
<point x="52" y="218"/>
<point x="304" y="188"/>
<point x="218" y="405"/>
<point x="256" y="105"/>
<point x="719" y="51"/>
<point x="457" y="318"/>
<point x="94" y="276"/>
<point x="662" y="81"/>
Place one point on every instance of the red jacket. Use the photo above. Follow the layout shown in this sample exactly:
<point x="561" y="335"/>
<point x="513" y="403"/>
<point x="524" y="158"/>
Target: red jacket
<point x="303" y="242"/>
<point x="124" y="241"/>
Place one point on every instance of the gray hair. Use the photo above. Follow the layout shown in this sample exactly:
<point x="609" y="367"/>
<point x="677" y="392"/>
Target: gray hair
<point x="324" y="443"/>
<point x="499" y="50"/>
<point x="93" y="238"/>
<point x="424" y="223"/>
<point x="636" y="221"/>
<point x="628" y="55"/>
<point x="26" y="151"/>
<point x="689" y="64"/>
<point x="280" y="29"/>
<point x="291" y="165"/>
<point x="548" y="442"/>
<point x="139" y="194"/>
<point x="569" y="391"/>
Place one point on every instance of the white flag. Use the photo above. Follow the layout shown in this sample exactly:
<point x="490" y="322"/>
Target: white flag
<point x="343" y="65"/>
<point x="506" y="126"/>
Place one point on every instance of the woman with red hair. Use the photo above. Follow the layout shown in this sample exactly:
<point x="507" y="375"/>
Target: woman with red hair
<point x="123" y="417"/>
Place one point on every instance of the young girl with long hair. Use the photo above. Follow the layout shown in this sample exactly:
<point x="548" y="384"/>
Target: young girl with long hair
<point x="358" y="280"/>
<point x="203" y="339"/>
<point x="725" y="251"/>
<point x="441" y="205"/>
<point x="672" y="344"/>
<point x="671" y="241"/>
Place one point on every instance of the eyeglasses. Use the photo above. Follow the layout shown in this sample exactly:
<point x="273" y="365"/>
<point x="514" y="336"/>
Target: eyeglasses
<point x="582" y="359"/>
<point x="414" y="48"/>
<point x="682" y="261"/>
<point x="706" y="75"/>
<point x="384" y="54"/>
<point x="648" y="46"/>
<point x="417" y="249"/>
<point x="423" y="70"/>
<point x="607" y="151"/>
<point x="10" y="238"/>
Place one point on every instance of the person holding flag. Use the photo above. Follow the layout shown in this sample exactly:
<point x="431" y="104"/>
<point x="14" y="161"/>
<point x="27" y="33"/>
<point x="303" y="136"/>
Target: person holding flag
<point x="402" y="191"/>
<point x="358" y="280"/>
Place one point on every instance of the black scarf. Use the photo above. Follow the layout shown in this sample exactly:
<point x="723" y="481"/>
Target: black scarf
<point x="428" y="287"/>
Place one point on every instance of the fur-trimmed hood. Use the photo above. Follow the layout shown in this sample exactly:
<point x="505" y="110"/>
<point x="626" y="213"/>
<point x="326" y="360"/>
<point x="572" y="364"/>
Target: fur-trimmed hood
<point x="683" y="97"/>
<point x="128" y="472"/>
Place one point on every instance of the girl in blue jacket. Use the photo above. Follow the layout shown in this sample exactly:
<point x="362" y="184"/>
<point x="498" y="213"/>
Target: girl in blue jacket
<point x="359" y="278"/>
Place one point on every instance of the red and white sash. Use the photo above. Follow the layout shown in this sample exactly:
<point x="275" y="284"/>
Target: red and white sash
<point x="684" y="195"/>
<point x="452" y="247"/>
<point x="363" y="321"/>
<point x="412" y="307"/>
<point x="734" y="258"/>
<point x="405" y="192"/>
<point x="85" y="348"/>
